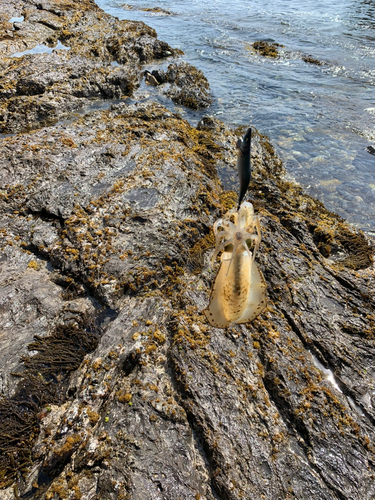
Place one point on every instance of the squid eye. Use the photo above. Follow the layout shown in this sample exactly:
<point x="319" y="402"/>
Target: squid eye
<point x="228" y="248"/>
<point x="249" y="242"/>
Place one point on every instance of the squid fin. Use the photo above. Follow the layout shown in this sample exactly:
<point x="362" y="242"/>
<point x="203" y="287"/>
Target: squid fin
<point x="215" y="311"/>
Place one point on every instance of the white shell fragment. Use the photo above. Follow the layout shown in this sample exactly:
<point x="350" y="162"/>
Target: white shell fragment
<point x="238" y="292"/>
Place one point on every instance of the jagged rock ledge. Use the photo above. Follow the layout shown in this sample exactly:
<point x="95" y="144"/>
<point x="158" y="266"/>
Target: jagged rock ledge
<point x="113" y="385"/>
<point x="102" y="59"/>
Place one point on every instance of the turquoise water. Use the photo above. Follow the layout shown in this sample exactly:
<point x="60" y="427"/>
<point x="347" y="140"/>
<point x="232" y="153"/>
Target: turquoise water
<point x="320" y="118"/>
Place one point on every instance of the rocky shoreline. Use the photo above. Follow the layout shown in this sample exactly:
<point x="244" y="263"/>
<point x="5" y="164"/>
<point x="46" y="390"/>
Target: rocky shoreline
<point x="113" y="384"/>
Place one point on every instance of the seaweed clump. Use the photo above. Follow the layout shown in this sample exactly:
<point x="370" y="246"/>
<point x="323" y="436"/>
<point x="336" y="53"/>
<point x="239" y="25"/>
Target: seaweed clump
<point x="340" y="242"/>
<point x="157" y="9"/>
<point x="358" y="247"/>
<point x="42" y="383"/>
<point x="18" y="429"/>
<point x="312" y="60"/>
<point x="61" y="352"/>
<point x="189" y="86"/>
<point x="267" y="49"/>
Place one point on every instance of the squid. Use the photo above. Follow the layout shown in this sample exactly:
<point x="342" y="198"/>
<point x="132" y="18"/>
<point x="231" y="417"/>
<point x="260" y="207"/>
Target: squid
<point x="238" y="293"/>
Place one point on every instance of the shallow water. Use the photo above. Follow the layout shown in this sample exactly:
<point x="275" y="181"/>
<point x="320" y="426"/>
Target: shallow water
<point x="17" y="19"/>
<point x="320" y="118"/>
<point x="41" y="49"/>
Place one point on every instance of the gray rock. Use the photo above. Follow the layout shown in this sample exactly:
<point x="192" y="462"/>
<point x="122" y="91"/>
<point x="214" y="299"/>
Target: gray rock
<point x="189" y="86"/>
<point x="207" y="407"/>
<point x="150" y="79"/>
<point x="42" y="88"/>
<point x="159" y="75"/>
<point x="37" y="90"/>
<point x="106" y="221"/>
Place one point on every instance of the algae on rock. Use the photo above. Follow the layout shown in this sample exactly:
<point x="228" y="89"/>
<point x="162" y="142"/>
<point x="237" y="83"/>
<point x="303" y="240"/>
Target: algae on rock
<point x="109" y="216"/>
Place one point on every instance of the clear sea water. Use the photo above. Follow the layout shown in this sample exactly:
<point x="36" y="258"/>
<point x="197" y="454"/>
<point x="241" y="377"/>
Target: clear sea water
<point x="319" y="118"/>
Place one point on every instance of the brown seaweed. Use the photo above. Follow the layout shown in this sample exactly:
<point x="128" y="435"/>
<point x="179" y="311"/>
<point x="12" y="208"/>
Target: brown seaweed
<point x="42" y="383"/>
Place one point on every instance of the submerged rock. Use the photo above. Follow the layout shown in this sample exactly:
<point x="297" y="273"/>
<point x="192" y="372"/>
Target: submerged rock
<point x="312" y="60"/>
<point x="267" y="49"/>
<point x="113" y="383"/>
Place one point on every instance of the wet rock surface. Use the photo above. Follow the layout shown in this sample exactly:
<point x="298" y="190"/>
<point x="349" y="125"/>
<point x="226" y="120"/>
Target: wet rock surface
<point x="184" y="84"/>
<point x="103" y="60"/>
<point x="113" y="384"/>
<point x="189" y="86"/>
<point x="267" y="49"/>
<point x="41" y="88"/>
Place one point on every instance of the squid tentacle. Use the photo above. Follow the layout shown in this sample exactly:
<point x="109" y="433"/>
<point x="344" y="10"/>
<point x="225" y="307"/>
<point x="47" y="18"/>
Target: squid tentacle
<point x="219" y="249"/>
